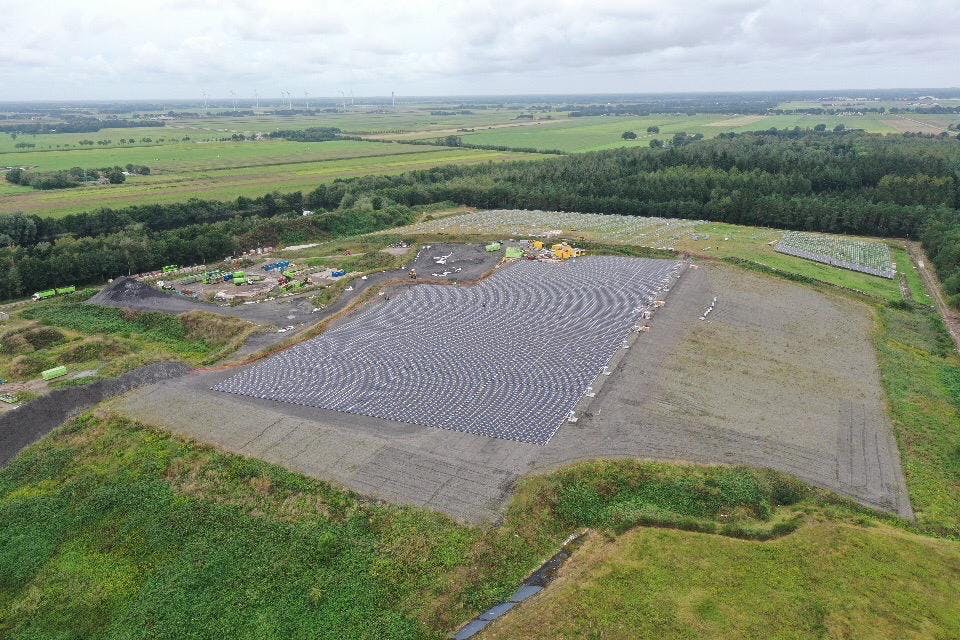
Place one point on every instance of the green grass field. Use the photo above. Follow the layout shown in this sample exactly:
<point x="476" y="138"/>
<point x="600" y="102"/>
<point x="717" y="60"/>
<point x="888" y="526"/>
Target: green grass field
<point x="116" y="530"/>
<point x="255" y="170"/>
<point x="210" y="129"/>
<point x="601" y="132"/>
<point x="826" y="581"/>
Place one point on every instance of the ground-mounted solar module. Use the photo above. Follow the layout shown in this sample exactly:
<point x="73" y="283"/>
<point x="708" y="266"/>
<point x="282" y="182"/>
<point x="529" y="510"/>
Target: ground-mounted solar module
<point x="509" y="357"/>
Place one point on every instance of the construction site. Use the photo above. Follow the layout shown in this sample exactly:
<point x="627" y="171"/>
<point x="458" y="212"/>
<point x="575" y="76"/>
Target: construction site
<point x="443" y="382"/>
<point x="450" y="373"/>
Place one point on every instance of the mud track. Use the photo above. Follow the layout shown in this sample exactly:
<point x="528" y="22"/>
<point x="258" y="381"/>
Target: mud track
<point x="27" y="424"/>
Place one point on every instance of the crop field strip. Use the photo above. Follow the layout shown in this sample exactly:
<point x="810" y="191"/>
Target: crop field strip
<point x="228" y="183"/>
<point x="596" y="133"/>
<point x="856" y="255"/>
<point x="508" y="358"/>
<point x="657" y="233"/>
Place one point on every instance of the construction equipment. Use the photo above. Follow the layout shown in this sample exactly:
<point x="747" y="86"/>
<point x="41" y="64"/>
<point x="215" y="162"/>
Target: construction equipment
<point x="562" y="251"/>
<point x="513" y="253"/>
<point x="56" y="372"/>
<point x="537" y="244"/>
<point x="280" y="266"/>
<point x="493" y="246"/>
<point x="413" y="274"/>
<point x="212" y="276"/>
<point x="51" y="293"/>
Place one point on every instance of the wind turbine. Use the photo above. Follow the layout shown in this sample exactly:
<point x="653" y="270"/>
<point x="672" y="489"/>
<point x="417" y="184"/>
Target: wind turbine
<point x="306" y="100"/>
<point x="256" y="96"/>
<point x="233" y="95"/>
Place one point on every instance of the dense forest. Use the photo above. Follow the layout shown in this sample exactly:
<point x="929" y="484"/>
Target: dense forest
<point x="832" y="181"/>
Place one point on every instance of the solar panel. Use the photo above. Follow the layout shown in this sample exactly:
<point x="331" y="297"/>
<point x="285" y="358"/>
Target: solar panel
<point x="508" y="358"/>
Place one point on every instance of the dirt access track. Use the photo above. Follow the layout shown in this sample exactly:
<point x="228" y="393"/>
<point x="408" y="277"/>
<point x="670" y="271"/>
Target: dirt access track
<point x="778" y="376"/>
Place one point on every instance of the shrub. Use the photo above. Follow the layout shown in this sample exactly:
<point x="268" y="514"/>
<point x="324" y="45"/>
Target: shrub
<point x="93" y="349"/>
<point x="31" y="338"/>
<point x="29" y="365"/>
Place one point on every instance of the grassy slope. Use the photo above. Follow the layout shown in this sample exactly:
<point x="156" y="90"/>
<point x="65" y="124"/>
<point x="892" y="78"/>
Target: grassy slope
<point x="828" y="580"/>
<point x="921" y="375"/>
<point x="115" y="530"/>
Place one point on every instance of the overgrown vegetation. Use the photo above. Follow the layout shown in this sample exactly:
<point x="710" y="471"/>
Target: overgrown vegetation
<point x="918" y="366"/>
<point x="619" y="495"/>
<point x="111" y="341"/>
<point x="116" y="529"/>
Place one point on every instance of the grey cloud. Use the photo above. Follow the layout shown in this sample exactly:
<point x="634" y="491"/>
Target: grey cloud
<point x="114" y="48"/>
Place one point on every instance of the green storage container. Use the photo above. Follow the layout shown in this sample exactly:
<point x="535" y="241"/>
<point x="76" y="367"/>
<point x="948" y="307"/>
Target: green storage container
<point x="56" y="372"/>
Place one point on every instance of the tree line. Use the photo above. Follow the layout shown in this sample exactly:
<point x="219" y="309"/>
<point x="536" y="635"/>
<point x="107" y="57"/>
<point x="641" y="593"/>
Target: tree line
<point x="79" y="125"/>
<point x="837" y="182"/>
<point x="87" y="260"/>
<point x="73" y="177"/>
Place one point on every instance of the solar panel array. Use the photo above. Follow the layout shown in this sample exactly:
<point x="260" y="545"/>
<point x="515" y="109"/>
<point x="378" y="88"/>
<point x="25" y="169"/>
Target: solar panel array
<point x="846" y="253"/>
<point x="634" y="230"/>
<point x="508" y="358"/>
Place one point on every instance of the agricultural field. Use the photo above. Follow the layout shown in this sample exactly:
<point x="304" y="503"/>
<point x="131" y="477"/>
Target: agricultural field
<point x="227" y="170"/>
<point x="595" y="133"/>
<point x="356" y="123"/>
<point x="210" y="129"/>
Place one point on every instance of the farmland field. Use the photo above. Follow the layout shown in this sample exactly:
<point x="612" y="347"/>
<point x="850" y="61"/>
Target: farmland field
<point x="209" y="129"/>
<point x="602" y="132"/>
<point x="228" y="170"/>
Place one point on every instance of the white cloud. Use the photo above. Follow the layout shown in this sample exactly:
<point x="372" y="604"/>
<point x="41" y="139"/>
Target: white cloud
<point x="179" y="48"/>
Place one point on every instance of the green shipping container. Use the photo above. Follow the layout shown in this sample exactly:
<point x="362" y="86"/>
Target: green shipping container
<point x="56" y="372"/>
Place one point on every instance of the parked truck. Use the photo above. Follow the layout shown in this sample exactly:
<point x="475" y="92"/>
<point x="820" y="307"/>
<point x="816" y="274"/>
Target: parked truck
<point x="52" y="293"/>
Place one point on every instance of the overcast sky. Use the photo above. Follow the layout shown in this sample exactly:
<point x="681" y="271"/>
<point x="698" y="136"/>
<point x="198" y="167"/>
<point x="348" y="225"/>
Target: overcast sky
<point x="140" y="49"/>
